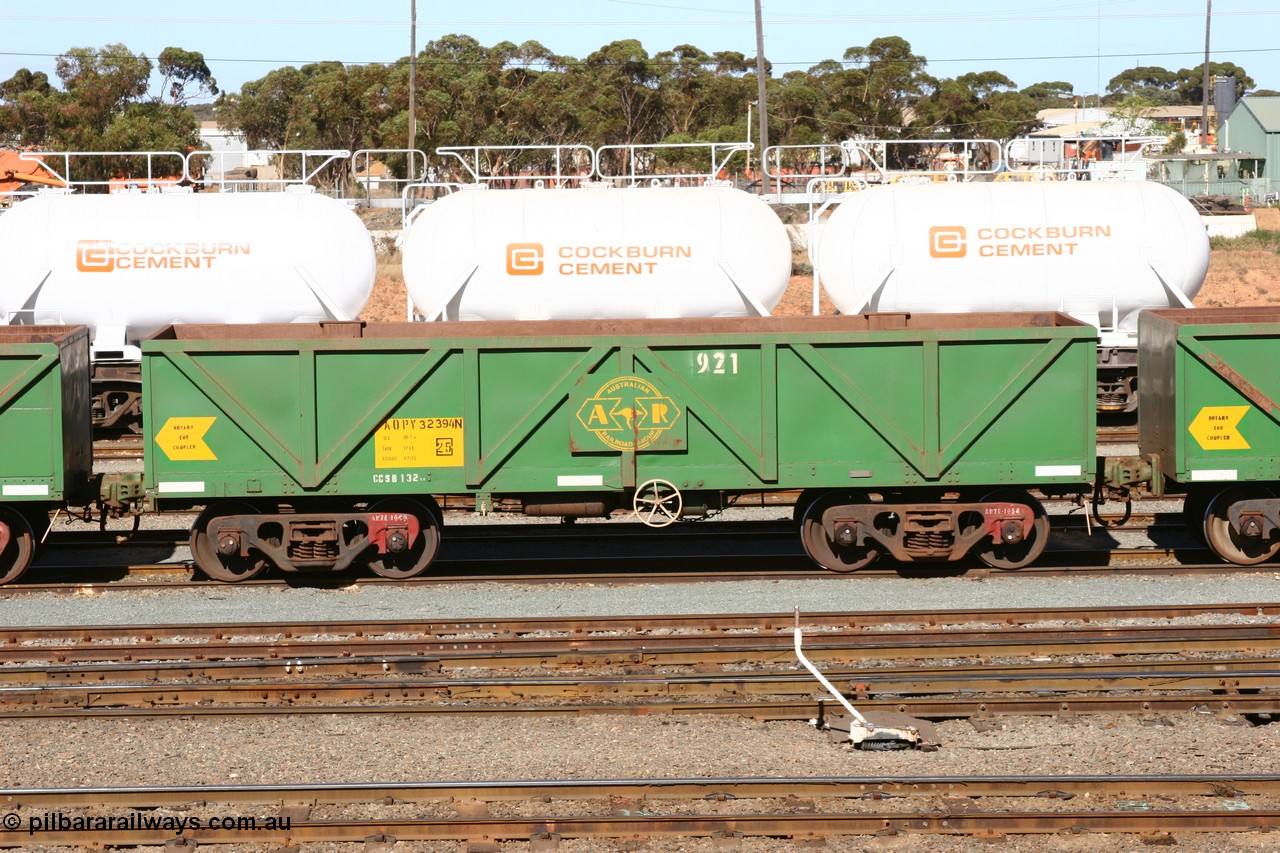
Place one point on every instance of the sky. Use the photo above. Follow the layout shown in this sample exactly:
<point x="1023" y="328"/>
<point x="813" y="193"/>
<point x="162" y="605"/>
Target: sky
<point x="1082" y="43"/>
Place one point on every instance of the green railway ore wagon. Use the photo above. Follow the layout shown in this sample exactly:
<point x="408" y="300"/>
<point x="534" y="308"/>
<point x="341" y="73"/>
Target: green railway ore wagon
<point x="1208" y="418"/>
<point x="46" y="456"/>
<point x="320" y="446"/>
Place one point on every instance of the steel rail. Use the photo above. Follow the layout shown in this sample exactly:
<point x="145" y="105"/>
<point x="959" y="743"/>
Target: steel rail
<point x="570" y="626"/>
<point x="676" y="649"/>
<point x="675" y="788"/>
<point x="1231" y="675"/>
<point x="731" y="826"/>
<point x="393" y="701"/>
<point x="628" y="688"/>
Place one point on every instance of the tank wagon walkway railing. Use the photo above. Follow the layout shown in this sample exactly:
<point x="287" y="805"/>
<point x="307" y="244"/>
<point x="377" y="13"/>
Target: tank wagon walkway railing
<point x="796" y="173"/>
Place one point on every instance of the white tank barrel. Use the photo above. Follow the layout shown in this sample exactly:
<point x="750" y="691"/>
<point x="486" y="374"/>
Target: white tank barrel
<point x="595" y="253"/>
<point x="1100" y="251"/>
<point x="130" y="264"/>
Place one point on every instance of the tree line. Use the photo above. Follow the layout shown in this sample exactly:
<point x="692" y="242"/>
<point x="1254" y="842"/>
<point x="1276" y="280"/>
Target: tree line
<point x="509" y="94"/>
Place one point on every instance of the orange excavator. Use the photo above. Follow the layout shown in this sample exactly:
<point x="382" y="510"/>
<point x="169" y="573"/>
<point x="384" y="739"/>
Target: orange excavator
<point x="16" y="173"/>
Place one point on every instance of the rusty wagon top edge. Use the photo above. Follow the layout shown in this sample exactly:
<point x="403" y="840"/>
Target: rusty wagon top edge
<point x="597" y="328"/>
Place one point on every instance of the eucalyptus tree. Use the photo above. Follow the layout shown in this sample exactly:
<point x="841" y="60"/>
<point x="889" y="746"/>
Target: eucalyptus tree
<point x="104" y="104"/>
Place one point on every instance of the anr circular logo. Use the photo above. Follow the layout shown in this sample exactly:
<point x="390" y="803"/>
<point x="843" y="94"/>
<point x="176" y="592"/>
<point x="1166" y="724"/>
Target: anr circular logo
<point x="628" y="413"/>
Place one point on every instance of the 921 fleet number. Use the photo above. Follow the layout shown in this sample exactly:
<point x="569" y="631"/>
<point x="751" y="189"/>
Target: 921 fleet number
<point x="719" y="363"/>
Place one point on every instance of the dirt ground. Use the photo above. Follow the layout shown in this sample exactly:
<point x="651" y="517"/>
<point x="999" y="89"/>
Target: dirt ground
<point x="1239" y="277"/>
<point x="1236" y="277"/>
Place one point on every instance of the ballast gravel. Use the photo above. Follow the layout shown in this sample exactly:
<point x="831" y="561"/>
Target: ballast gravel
<point x="392" y="748"/>
<point x="492" y="600"/>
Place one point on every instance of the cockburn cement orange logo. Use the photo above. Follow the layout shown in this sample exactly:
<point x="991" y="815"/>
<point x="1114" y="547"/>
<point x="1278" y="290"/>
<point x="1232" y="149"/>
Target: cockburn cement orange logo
<point x="947" y="241"/>
<point x="112" y="255"/>
<point x="628" y="413"/>
<point x="528" y="259"/>
<point x="524" y="259"/>
<point x="1033" y="241"/>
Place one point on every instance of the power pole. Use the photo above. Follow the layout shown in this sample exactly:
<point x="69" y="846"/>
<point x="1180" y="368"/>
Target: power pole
<point x="1204" y="105"/>
<point x="759" y="91"/>
<point x="413" y="85"/>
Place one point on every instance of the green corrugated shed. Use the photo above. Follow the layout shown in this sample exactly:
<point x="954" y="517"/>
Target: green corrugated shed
<point x="1254" y="126"/>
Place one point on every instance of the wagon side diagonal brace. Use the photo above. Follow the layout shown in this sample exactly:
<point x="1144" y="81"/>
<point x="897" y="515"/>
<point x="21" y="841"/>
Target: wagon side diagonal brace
<point x="36" y="368"/>
<point x="1009" y="394"/>
<point x="238" y="414"/>
<point x="414" y="375"/>
<point x="862" y="406"/>
<point x="1251" y="392"/>
<point x="483" y="464"/>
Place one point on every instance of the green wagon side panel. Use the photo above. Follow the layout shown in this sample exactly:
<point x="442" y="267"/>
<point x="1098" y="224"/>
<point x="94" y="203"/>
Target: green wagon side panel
<point x="582" y="407"/>
<point x="1210" y="385"/>
<point x="46" y="451"/>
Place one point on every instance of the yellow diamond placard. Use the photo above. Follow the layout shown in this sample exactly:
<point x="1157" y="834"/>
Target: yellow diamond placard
<point x="182" y="439"/>
<point x="1218" y="428"/>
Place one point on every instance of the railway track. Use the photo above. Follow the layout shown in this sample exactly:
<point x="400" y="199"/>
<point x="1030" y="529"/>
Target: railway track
<point x="738" y="665"/>
<point x="57" y="642"/>
<point x="657" y="665"/>
<point x="1119" y="433"/>
<point x="804" y="810"/>
<point x="1206" y="687"/>
<point x="117" y="449"/>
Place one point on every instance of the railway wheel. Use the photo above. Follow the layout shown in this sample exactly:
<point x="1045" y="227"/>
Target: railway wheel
<point x="657" y="503"/>
<point x="415" y="559"/>
<point x="1015" y="555"/>
<point x="832" y="555"/>
<point x="230" y="568"/>
<point x="1224" y="541"/>
<point x="19" y="545"/>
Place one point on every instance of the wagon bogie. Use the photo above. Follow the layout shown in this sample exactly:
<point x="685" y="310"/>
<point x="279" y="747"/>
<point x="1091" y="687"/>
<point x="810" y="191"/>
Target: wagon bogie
<point x="847" y="531"/>
<point x="235" y="540"/>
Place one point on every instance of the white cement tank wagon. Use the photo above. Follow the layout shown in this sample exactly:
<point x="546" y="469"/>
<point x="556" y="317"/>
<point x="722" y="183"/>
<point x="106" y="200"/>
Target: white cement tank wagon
<point x="129" y="264"/>
<point x="1098" y="251"/>
<point x="596" y="252"/>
